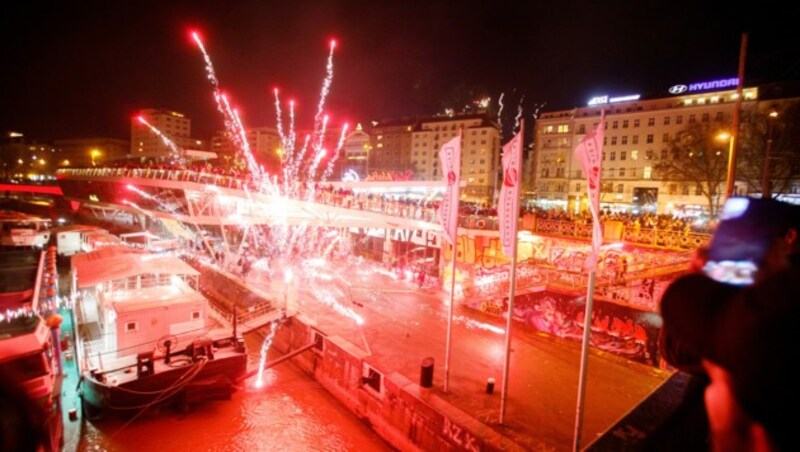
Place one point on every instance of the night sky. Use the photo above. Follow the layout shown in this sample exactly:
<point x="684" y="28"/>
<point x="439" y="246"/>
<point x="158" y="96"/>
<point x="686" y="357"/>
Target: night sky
<point x="82" y="68"/>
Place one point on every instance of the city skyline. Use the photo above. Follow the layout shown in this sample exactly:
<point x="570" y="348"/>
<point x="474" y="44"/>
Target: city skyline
<point x="84" y="70"/>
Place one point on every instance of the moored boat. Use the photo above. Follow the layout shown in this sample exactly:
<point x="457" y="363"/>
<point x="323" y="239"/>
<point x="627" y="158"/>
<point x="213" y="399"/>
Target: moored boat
<point x="145" y="334"/>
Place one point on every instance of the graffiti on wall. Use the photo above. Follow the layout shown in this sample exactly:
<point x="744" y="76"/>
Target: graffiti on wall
<point x="617" y="329"/>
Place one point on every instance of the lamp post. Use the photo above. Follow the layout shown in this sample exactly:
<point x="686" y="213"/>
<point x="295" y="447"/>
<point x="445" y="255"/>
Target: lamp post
<point x="765" y="188"/>
<point x="94" y="154"/>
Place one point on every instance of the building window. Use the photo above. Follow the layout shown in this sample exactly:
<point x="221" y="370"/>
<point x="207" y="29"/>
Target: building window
<point x="610" y="173"/>
<point x="605" y="140"/>
<point x="692" y="118"/>
<point x="676" y="154"/>
<point x="679" y="119"/>
<point x="665" y="138"/>
<point x="720" y="116"/>
<point x="371" y="378"/>
<point x="613" y="155"/>
<point x="635" y="123"/>
<point x="685" y="190"/>
<point x="625" y="124"/>
<point x="563" y="128"/>
<point x="613" y="140"/>
<point x="620" y="188"/>
<point x="625" y="139"/>
<point x="650" y="155"/>
<point x="648" y="172"/>
<point x="650" y="138"/>
<point x="614" y="124"/>
<point x="666" y="120"/>
<point x="651" y="121"/>
<point x="578" y="187"/>
<point x="635" y="139"/>
<point x="131" y="327"/>
<point x="195" y="315"/>
<point x="623" y="155"/>
<point x="545" y="172"/>
<point x="634" y="155"/>
<point x="705" y="117"/>
<point x="582" y="128"/>
<point x="604" y="156"/>
<point x="672" y="189"/>
<point x="622" y="172"/>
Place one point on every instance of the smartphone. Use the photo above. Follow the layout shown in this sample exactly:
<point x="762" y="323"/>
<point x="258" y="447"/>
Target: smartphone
<point x="747" y="230"/>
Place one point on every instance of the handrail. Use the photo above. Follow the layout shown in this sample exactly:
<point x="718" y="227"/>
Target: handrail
<point x="662" y="238"/>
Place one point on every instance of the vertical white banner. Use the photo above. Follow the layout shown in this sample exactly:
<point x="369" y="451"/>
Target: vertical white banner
<point x="450" y="155"/>
<point x="588" y="153"/>
<point x="508" y="206"/>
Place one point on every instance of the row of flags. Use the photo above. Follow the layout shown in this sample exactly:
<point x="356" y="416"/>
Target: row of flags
<point x="587" y="152"/>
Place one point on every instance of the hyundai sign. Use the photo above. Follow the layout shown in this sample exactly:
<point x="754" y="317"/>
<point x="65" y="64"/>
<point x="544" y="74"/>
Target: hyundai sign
<point x="704" y="86"/>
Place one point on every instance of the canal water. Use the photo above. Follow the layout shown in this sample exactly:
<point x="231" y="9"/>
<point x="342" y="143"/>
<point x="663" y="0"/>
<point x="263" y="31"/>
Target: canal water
<point x="291" y="413"/>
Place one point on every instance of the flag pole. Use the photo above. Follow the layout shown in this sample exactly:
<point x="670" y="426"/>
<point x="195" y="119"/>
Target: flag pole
<point x="587" y="330"/>
<point x="511" y="289"/>
<point x="452" y="281"/>
<point x="587" y="315"/>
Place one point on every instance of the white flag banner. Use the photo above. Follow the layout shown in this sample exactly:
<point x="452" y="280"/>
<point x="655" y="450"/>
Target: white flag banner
<point x="588" y="153"/>
<point x="450" y="155"/>
<point x="508" y="206"/>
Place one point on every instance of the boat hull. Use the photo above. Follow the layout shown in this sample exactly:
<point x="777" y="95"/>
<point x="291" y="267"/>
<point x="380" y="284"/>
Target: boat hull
<point x="213" y="379"/>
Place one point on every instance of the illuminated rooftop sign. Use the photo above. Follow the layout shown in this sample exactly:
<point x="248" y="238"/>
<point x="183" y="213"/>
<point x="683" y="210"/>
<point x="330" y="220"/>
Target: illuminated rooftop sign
<point x="600" y="100"/>
<point x="704" y="86"/>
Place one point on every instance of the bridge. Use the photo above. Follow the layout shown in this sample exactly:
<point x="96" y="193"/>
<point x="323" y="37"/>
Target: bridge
<point x="201" y="198"/>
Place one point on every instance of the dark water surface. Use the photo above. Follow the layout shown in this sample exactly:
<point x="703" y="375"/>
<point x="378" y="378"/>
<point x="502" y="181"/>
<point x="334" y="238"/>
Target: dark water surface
<point x="291" y="413"/>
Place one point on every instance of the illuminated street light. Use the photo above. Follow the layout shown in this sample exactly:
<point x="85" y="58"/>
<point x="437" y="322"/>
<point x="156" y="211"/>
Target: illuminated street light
<point x="94" y="154"/>
<point x="766" y="192"/>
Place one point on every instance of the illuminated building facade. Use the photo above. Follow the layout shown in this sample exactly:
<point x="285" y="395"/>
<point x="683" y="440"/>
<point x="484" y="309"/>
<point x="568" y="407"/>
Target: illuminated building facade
<point x="637" y="137"/>
<point x="175" y="126"/>
<point x="480" y="152"/>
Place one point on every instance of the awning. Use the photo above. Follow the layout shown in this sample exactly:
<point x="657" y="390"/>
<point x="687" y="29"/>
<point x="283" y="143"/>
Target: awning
<point x="115" y="262"/>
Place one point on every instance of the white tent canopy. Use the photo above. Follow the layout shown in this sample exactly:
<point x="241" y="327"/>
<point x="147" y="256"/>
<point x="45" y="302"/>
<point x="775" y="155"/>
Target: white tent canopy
<point x="114" y="263"/>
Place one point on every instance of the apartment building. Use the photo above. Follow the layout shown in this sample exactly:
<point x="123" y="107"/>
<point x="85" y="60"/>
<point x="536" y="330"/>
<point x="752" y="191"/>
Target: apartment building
<point x="638" y="133"/>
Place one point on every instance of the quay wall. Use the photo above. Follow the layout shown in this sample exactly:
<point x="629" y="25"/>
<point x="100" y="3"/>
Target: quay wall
<point x="406" y="415"/>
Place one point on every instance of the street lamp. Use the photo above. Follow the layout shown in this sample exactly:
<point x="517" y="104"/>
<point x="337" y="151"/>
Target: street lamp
<point x="94" y="154"/>
<point x="765" y="188"/>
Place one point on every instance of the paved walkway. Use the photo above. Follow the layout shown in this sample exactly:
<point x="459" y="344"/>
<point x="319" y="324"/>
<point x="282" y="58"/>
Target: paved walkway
<point x="404" y="325"/>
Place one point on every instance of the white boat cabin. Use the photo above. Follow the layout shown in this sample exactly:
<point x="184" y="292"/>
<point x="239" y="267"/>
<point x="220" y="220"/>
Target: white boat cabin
<point x="131" y="301"/>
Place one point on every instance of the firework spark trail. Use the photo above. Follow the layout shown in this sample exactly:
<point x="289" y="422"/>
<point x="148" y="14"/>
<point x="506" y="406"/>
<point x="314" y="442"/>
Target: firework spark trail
<point x="335" y="156"/>
<point x="519" y="115"/>
<point x="279" y="117"/>
<point x="326" y="86"/>
<point x="232" y="123"/>
<point x="210" y="73"/>
<point x="292" y="135"/>
<point x="263" y="358"/>
<point x="500" y="115"/>
<point x="318" y="133"/>
<point x="150" y="197"/>
<point x="293" y="165"/>
<point x="319" y="150"/>
<point x="176" y="152"/>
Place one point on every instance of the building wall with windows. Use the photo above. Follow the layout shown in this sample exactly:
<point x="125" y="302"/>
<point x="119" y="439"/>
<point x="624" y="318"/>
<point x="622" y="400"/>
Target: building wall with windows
<point x="173" y="125"/>
<point x="479" y="153"/>
<point x="390" y="145"/>
<point x="637" y="137"/>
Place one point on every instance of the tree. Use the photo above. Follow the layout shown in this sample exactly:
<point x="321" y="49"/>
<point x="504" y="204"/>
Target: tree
<point x="784" y="130"/>
<point x="698" y="157"/>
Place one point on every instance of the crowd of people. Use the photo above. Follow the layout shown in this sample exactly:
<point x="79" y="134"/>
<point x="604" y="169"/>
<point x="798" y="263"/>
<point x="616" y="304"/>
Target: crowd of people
<point x="730" y="326"/>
